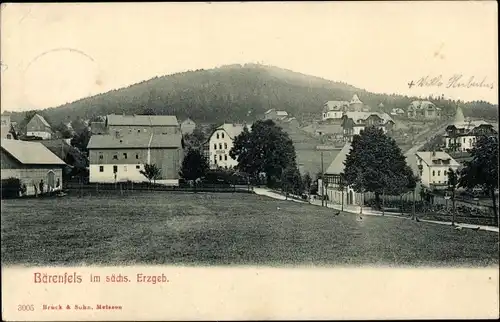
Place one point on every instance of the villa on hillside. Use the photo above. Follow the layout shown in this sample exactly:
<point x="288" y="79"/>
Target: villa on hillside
<point x="334" y="110"/>
<point x="332" y="185"/>
<point x="433" y="168"/>
<point x="39" y="127"/>
<point x="219" y="144"/>
<point x="423" y="110"/>
<point x="397" y="112"/>
<point x="275" y="115"/>
<point x="354" y="122"/>
<point x="121" y="157"/>
<point x="461" y="135"/>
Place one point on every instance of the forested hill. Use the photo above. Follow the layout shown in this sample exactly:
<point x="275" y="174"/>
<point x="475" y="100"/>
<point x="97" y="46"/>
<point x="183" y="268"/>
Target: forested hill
<point x="229" y="93"/>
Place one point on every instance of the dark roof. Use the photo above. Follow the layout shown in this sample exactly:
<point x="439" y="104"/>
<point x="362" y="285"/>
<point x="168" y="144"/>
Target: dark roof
<point x="30" y="152"/>
<point x="143" y="120"/>
<point x="138" y="141"/>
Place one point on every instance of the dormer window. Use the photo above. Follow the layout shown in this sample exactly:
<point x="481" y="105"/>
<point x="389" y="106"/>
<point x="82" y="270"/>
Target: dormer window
<point x="222" y="134"/>
<point x="217" y="135"/>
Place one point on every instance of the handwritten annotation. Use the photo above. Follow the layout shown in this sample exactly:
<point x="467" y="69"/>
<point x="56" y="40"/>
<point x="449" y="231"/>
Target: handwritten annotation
<point x="455" y="81"/>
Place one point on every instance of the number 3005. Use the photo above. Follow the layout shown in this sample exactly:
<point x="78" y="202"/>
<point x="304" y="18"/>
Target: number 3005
<point x="30" y="307"/>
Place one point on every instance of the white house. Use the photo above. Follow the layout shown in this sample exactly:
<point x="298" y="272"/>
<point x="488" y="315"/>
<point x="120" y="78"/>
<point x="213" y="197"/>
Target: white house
<point x="433" y="168"/>
<point x="354" y="122"/>
<point x="115" y="158"/>
<point x="333" y="110"/>
<point x="397" y="111"/>
<point x="187" y="126"/>
<point x="221" y="142"/>
<point x="462" y="135"/>
<point x="273" y="114"/>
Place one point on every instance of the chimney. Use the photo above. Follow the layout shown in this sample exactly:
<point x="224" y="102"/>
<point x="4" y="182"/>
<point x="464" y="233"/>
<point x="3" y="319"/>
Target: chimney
<point x="433" y="153"/>
<point x="117" y="134"/>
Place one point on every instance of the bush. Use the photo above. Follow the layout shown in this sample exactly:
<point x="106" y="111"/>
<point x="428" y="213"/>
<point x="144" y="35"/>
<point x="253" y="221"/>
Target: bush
<point x="11" y="187"/>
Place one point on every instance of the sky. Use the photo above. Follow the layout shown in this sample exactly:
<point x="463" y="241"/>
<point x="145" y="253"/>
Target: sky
<point x="57" y="53"/>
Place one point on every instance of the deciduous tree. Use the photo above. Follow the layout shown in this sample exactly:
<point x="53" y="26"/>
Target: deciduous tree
<point x="482" y="169"/>
<point x="266" y="149"/>
<point x="151" y="172"/>
<point x="194" y="165"/>
<point x="376" y="164"/>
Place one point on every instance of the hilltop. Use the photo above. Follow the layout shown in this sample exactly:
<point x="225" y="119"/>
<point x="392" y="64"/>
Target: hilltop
<point x="230" y="93"/>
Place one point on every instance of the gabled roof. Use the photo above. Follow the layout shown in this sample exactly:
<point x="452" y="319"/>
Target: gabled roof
<point x="41" y="118"/>
<point x="335" y="105"/>
<point x="355" y="100"/>
<point x="29" y="152"/>
<point x="428" y="157"/>
<point x="187" y="121"/>
<point x="470" y="125"/>
<point x="142" y="120"/>
<point x="356" y="116"/>
<point x="233" y="130"/>
<point x="337" y="166"/>
<point x="418" y="105"/>
<point x="138" y="141"/>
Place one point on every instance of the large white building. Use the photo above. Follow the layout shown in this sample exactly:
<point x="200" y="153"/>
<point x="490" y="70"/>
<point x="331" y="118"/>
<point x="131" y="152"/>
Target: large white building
<point x="354" y="122"/>
<point x="333" y="110"/>
<point x="462" y="135"/>
<point x="433" y="168"/>
<point x="220" y="143"/>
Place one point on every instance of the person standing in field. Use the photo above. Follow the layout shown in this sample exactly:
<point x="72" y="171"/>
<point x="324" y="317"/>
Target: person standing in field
<point x="41" y="186"/>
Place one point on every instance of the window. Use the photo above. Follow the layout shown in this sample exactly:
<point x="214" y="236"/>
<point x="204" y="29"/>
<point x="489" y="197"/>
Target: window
<point x="101" y="156"/>
<point x="101" y="168"/>
<point x="215" y="159"/>
<point x="145" y="130"/>
<point x="225" y="157"/>
<point x="9" y="136"/>
<point x="215" y="146"/>
<point x="220" y="157"/>
<point x="115" y="169"/>
<point x="138" y="131"/>
<point x="222" y="135"/>
<point x="124" y="155"/>
<point x="125" y="168"/>
<point x="137" y="156"/>
<point x="115" y="157"/>
<point x="220" y="146"/>
<point x="439" y="172"/>
<point x="445" y="173"/>
<point x="225" y="145"/>
<point x="464" y="140"/>
<point x="433" y="173"/>
<point x="217" y="135"/>
<point x="137" y="166"/>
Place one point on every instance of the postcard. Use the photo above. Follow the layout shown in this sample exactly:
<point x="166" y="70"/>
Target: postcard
<point x="249" y="161"/>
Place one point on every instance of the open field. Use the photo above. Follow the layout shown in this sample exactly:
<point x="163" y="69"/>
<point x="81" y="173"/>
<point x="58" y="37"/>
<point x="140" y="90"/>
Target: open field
<point x="223" y="229"/>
